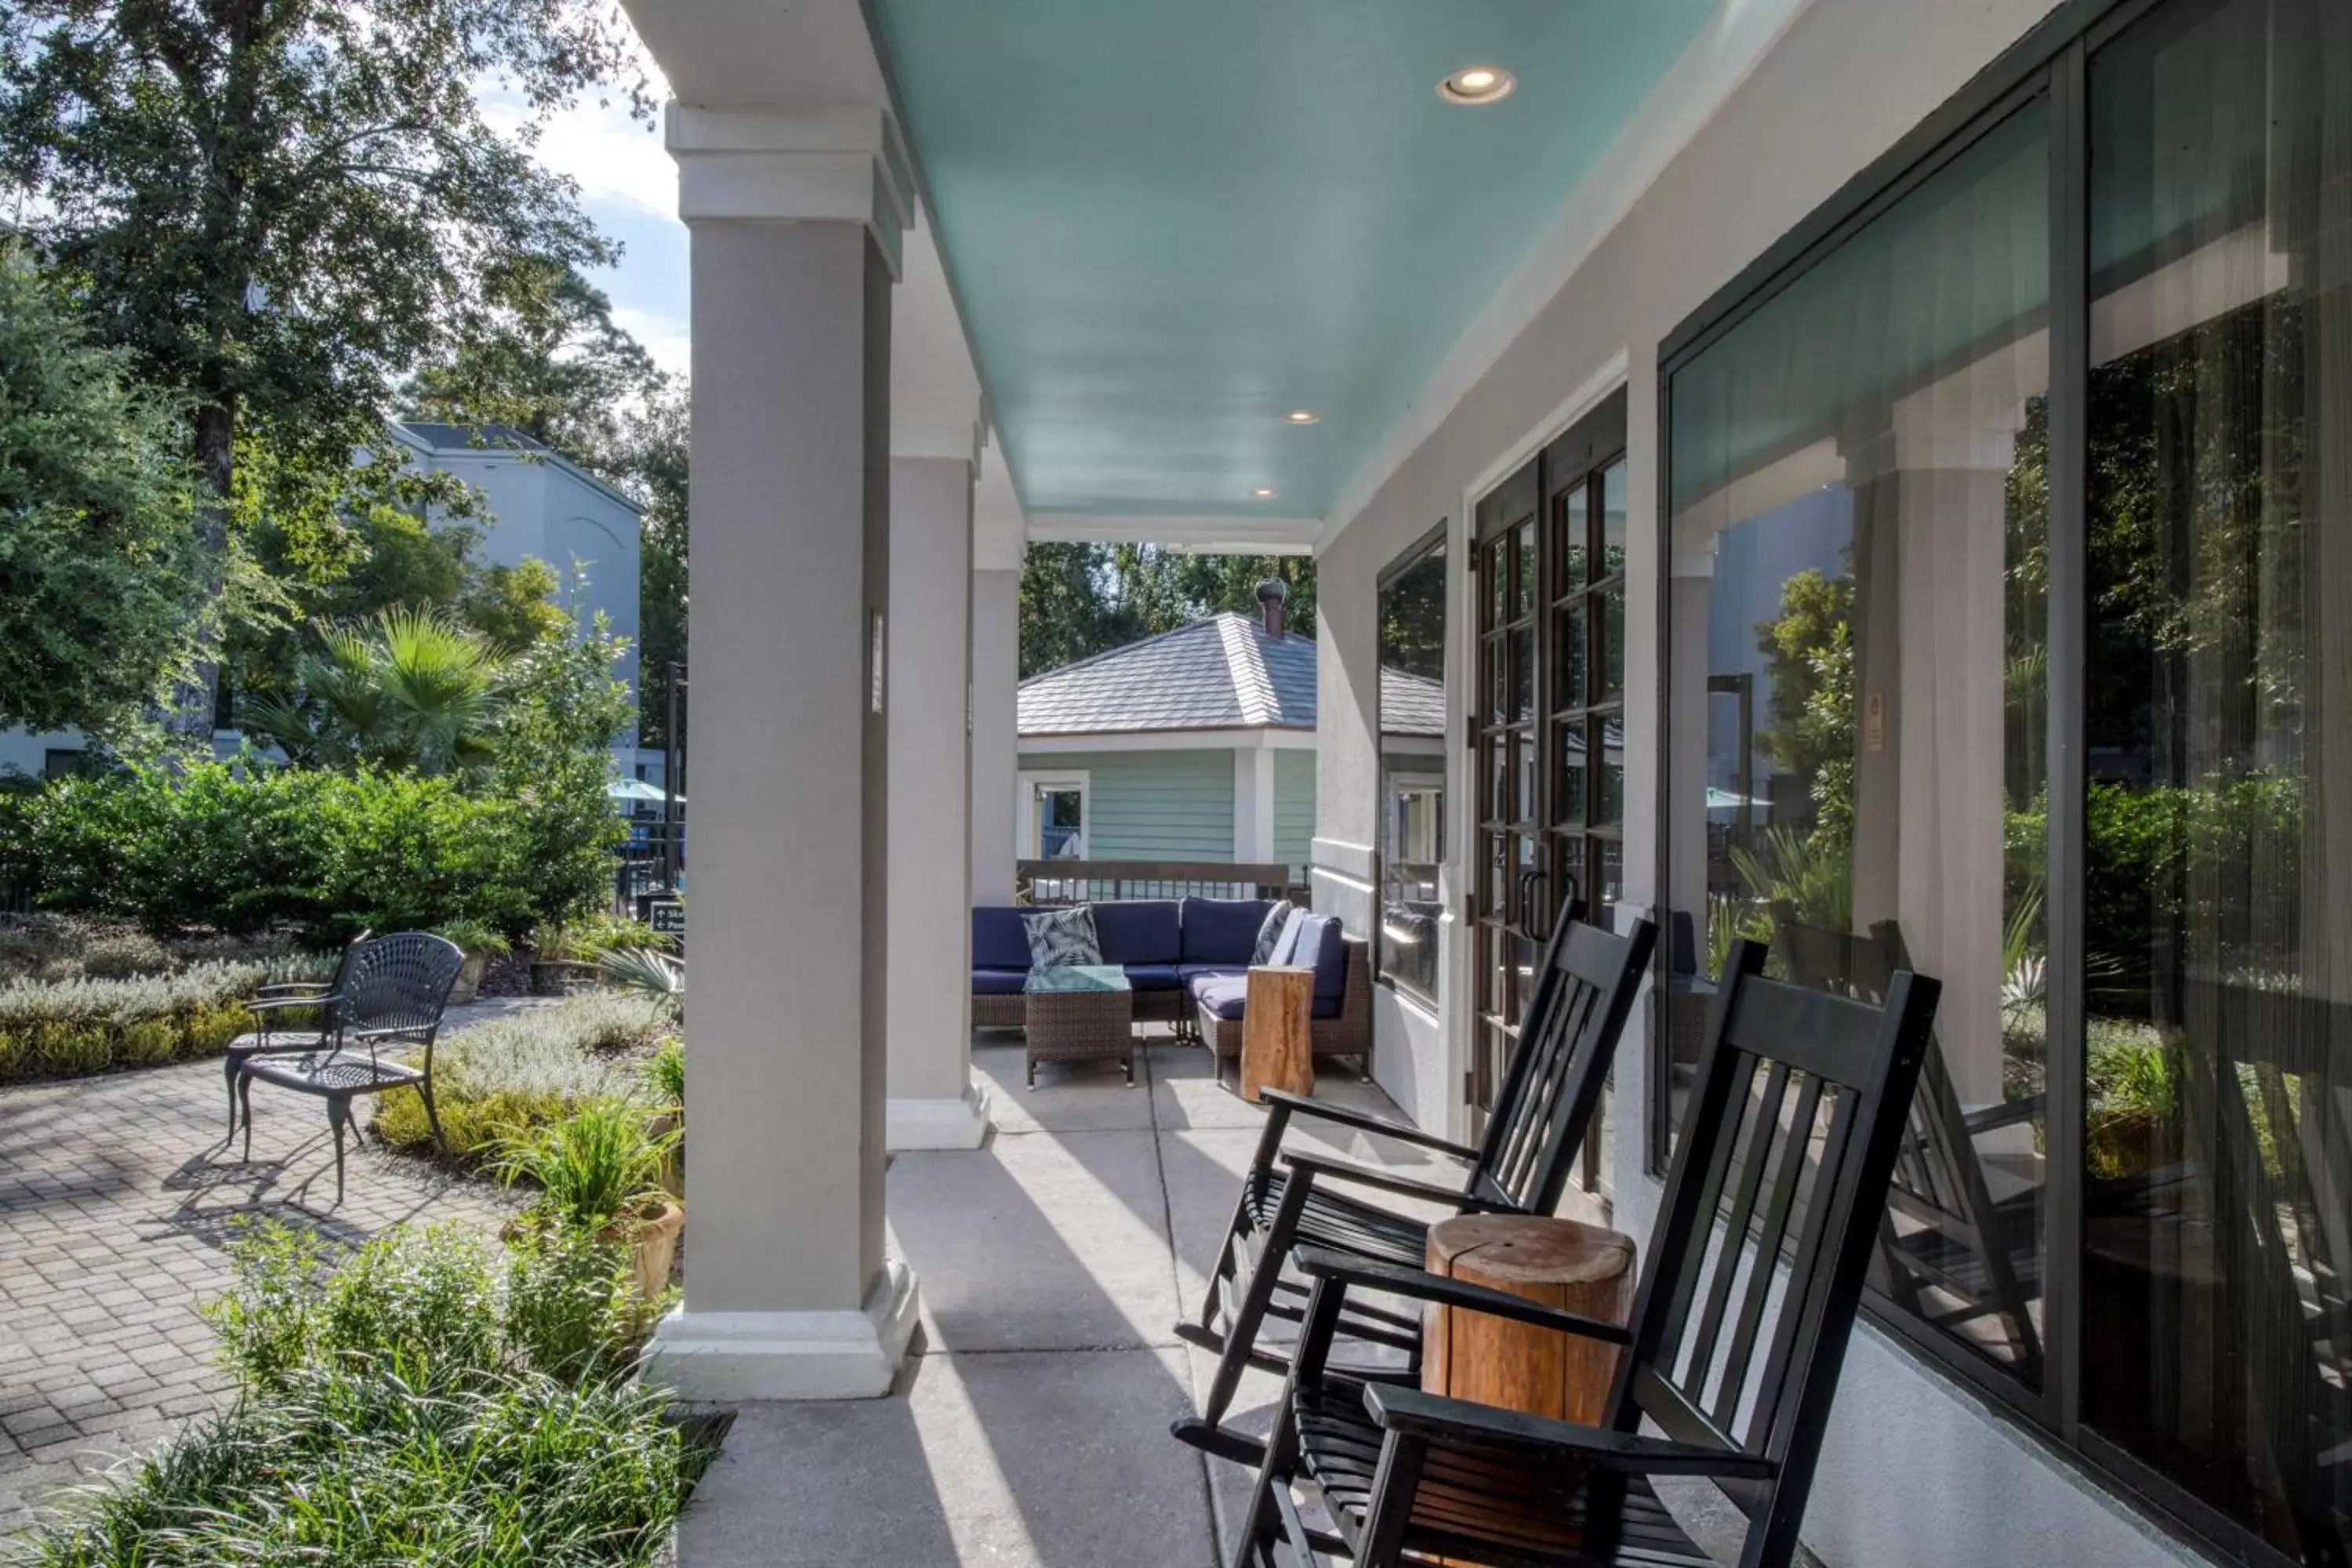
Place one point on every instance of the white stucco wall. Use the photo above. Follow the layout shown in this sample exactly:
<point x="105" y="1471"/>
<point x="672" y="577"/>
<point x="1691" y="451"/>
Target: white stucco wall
<point x="543" y="510"/>
<point x="1916" y="1473"/>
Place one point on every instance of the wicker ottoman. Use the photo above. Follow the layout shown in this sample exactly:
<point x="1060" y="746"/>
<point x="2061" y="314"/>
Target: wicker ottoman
<point x="1080" y="1012"/>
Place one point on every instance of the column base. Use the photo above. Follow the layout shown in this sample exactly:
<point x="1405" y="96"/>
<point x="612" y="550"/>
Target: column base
<point x="726" y="1357"/>
<point x="959" y="1123"/>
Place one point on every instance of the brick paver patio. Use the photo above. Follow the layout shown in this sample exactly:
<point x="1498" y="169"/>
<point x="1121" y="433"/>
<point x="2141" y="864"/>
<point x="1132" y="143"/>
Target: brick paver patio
<point x="117" y="1199"/>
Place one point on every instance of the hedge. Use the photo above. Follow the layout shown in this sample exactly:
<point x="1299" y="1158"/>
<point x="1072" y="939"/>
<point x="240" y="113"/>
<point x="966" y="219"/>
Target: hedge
<point x="63" y="1028"/>
<point x="243" y="848"/>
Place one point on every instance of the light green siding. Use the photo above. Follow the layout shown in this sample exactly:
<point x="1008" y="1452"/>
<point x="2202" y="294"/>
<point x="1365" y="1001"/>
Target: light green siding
<point x="1293" y="808"/>
<point x="1151" y="805"/>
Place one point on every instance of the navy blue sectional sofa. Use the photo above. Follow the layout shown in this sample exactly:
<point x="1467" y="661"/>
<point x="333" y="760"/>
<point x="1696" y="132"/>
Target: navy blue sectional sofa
<point x="1188" y="960"/>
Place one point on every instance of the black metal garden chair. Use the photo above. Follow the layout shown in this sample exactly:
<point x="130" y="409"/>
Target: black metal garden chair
<point x="1583" y="994"/>
<point x="322" y="997"/>
<point x="1795" y="1120"/>
<point x="395" y="991"/>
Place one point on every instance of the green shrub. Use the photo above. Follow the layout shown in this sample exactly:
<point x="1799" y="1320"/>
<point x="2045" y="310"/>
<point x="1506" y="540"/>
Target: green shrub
<point x="63" y="1028"/>
<point x="523" y="1070"/>
<point x="410" y="1406"/>
<point x="594" y="1167"/>
<point x="244" y="848"/>
<point x="571" y="1308"/>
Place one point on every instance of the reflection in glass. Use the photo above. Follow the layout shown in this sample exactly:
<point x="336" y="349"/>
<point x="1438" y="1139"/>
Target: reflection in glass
<point x="1857" y="765"/>
<point x="1613" y="492"/>
<point x="1413" y="770"/>
<point x="2217" y="1225"/>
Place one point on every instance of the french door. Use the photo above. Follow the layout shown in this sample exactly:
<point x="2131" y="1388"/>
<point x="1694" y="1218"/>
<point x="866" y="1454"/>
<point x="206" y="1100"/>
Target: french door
<point x="1548" y="724"/>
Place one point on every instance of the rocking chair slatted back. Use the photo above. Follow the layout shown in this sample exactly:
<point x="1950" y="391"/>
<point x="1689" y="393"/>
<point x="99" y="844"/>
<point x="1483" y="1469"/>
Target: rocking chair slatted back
<point x="1787" y="1119"/>
<point x="1555" y="1076"/>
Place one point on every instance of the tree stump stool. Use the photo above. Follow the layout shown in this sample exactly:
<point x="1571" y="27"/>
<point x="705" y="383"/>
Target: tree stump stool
<point x="1562" y="1263"/>
<point x="1278" y="1047"/>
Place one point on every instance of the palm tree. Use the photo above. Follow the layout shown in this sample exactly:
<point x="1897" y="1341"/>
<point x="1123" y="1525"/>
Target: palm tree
<point x="409" y="690"/>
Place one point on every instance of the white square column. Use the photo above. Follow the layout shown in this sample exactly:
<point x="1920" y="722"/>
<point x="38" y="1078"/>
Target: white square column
<point x="789" y="1293"/>
<point x="995" y="730"/>
<point x="933" y="1102"/>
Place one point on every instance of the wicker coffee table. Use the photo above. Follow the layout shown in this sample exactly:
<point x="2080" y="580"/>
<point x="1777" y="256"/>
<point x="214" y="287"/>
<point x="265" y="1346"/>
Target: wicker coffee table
<point x="1080" y="1012"/>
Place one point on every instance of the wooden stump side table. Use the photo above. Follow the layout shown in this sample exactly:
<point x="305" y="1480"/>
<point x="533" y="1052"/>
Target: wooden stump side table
<point x="1277" y="1048"/>
<point x="1562" y="1263"/>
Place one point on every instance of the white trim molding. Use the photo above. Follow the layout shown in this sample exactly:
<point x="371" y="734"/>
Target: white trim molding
<point x="841" y="163"/>
<point x="961" y="1123"/>
<point x="734" y="1356"/>
<point x="1027" y="844"/>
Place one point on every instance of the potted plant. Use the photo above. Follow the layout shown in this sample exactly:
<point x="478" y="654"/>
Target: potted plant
<point x="562" y="960"/>
<point x="480" y="944"/>
<point x="666" y="1078"/>
<point x="599" y="1170"/>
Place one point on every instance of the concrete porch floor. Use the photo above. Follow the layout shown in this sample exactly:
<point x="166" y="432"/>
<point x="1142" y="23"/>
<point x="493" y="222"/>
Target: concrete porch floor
<point x="1031" y="1424"/>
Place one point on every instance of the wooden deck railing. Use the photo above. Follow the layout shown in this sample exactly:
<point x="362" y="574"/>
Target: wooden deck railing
<point x="1092" y="881"/>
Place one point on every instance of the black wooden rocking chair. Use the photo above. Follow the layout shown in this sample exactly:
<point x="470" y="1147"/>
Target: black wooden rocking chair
<point x="1568" y="1039"/>
<point x="395" y="990"/>
<point x="318" y="997"/>
<point x="1402" y="1471"/>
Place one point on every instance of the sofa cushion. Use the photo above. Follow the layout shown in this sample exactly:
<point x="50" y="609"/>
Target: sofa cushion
<point x="999" y="938"/>
<point x="1220" y="994"/>
<point x="1224" y="994"/>
<point x="1139" y="930"/>
<point x="1270" y="933"/>
<point x="1060" y="938"/>
<point x="1317" y="941"/>
<point x="1153" y="977"/>
<point x="1222" y="931"/>
<point x="1189" y="973"/>
<point x="998" y="981"/>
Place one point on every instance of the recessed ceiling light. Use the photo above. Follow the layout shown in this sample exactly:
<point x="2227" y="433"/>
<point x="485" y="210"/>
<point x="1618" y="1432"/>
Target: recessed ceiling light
<point x="1302" y="416"/>
<point x="1477" y="84"/>
<point x="1264" y="493"/>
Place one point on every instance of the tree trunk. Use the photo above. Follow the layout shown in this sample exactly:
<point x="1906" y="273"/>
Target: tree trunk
<point x="202" y="706"/>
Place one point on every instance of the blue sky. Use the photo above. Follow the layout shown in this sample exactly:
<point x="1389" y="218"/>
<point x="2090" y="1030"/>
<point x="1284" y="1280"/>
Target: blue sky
<point x="629" y="187"/>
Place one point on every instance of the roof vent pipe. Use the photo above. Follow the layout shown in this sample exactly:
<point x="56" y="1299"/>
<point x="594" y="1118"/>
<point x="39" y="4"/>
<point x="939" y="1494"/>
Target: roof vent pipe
<point x="1272" y="594"/>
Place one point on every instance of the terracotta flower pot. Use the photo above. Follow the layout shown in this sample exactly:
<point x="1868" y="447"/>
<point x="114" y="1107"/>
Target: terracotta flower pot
<point x="653" y="1232"/>
<point x="673" y="1176"/>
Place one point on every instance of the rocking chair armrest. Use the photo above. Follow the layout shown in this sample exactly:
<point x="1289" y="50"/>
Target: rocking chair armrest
<point x="1365" y="1121"/>
<point x="413" y="1033"/>
<point x="295" y="988"/>
<point x="1422" y="1285"/>
<point x="1459" y="1423"/>
<point x="1316" y="1167"/>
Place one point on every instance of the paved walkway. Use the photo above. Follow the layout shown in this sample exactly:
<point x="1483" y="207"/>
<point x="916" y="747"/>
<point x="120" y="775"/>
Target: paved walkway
<point x="116" y="1201"/>
<point x="1031" y="1427"/>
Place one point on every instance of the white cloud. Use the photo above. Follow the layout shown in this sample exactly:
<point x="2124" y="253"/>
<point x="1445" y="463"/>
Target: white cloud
<point x="665" y="336"/>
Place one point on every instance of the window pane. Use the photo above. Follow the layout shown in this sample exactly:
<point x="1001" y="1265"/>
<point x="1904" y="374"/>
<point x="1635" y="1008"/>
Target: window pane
<point x="1856" y="766"/>
<point x="1498" y="776"/>
<point x="1523" y="772"/>
<point x="1607" y="738"/>
<point x="1610" y="604"/>
<point x="1526" y="582"/>
<point x="1413" y="618"/>
<point x="1568" y="810"/>
<point x="1498" y="582"/>
<point x="1572" y="531"/>
<point x="1570" y="642"/>
<point x="1614" y="502"/>
<point x="1522" y="675"/>
<point x="2218" y="897"/>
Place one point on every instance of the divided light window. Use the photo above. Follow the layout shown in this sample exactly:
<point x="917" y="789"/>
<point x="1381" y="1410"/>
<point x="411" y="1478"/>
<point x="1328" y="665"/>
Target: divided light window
<point x="2009" y="637"/>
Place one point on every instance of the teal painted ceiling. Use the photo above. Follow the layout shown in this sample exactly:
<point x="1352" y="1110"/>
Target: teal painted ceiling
<point x="1171" y="221"/>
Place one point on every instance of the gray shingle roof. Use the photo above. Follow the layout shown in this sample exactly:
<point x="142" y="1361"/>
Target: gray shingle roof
<point x="1223" y="673"/>
<point x="1411" y="704"/>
